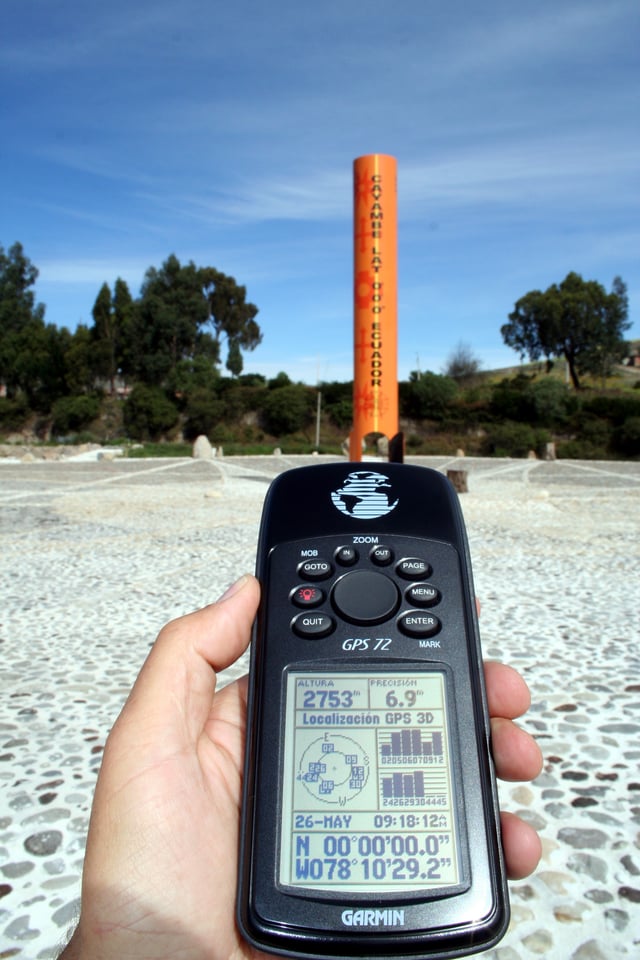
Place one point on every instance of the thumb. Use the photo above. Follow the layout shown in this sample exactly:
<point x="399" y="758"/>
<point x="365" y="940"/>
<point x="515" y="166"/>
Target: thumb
<point x="177" y="682"/>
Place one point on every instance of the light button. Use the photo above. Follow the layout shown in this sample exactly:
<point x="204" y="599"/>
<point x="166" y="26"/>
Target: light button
<point x="307" y="596"/>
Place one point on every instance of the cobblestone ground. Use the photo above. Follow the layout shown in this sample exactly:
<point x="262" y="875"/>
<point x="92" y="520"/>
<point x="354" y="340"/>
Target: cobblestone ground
<point x="96" y="556"/>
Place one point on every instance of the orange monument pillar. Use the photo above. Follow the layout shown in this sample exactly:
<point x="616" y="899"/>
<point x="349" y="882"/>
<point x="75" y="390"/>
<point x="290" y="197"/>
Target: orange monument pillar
<point x="375" y="304"/>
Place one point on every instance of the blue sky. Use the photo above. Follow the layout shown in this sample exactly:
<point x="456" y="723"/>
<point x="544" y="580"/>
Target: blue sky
<point x="225" y="133"/>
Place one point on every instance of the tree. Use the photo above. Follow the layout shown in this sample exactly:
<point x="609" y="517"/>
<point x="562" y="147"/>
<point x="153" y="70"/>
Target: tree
<point x="182" y="315"/>
<point x="462" y="366"/>
<point x="21" y="318"/>
<point x="167" y="320"/>
<point x="124" y="316"/>
<point x="39" y="367"/>
<point x="31" y="352"/>
<point x="104" y="337"/>
<point x="113" y="333"/>
<point x="17" y="301"/>
<point x="234" y="359"/>
<point x="230" y="315"/>
<point x="576" y="319"/>
<point x="79" y="361"/>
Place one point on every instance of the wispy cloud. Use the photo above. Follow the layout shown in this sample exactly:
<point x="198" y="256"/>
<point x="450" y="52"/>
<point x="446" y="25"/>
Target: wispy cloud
<point x="92" y="272"/>
<point x="225" y="133"/>
<point x="521" y="173"/>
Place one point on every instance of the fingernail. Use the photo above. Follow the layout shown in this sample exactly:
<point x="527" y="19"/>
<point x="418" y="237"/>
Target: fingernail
<point x="235" y="587"/>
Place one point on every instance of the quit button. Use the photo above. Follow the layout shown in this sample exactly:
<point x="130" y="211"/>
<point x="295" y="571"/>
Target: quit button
<point x="313" y="626"/>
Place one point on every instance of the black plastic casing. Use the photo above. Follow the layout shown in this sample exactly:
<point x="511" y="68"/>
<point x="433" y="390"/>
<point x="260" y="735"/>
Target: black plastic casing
<point x="301" y="517"/>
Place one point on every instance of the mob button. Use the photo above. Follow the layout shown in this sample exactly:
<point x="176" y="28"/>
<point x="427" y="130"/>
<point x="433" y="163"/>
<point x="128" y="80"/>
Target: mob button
<point x="315" y="569"/>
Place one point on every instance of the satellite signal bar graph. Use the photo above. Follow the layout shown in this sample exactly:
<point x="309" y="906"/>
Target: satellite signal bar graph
<point x="407" y="745"/>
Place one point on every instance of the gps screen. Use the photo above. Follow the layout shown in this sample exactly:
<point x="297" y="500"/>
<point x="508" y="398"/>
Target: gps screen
<point x="367" y="788"/>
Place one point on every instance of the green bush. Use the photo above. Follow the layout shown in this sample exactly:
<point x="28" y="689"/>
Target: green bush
<point x="510" y="439"/>
<point x="615" y="407"/>
<point x="288" y="409"/>
<point x="203" y="411"/>
<point x="427" y="396"/>
<point x="341" y="413"/>
<point x="335" y="390"/>
<point x="71" y="414"/>
<point x="511" y="399"/>
<point x="626" y="438"/>
<point x="239" y="398"/>
<point x="13" y="412"/>
<point x="148" y="413"/>
<point x="282" y="380"/>
<point x="581" y="450"/>
<point x="591" y="438"/>
<point x="552" y="402"/>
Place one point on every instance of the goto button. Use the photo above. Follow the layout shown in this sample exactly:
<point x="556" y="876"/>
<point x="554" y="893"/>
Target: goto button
<point x="312" y="625"/>
<point x="412" y="568"/>
<point x="307" y="596"/>
<point x="315" y="570"/>
<point x="417" y="624"/>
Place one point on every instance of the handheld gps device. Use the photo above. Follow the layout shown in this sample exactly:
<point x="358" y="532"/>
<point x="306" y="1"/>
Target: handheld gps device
<point x="370" y="823"/>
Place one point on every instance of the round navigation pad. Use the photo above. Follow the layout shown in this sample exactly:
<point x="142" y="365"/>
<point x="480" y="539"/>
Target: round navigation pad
<point x="365" y="596"/>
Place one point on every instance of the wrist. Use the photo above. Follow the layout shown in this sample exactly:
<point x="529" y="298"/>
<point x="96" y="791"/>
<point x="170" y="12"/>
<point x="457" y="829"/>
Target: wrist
<point x="72" y="949"/>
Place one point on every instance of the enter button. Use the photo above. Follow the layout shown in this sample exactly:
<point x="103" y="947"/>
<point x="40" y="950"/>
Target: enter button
<point x="415" y="623"/>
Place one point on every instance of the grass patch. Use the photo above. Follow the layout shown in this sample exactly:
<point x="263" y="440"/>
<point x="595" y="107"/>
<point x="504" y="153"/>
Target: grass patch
<point x="143" y="450"/>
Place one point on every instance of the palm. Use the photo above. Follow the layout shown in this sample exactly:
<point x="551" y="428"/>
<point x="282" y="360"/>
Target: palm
<point x="210" y="813"/>
<point x="161" y="859"/>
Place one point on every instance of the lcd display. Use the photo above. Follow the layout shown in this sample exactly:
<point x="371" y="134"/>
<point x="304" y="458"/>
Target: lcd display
<point x="367" y="786"/>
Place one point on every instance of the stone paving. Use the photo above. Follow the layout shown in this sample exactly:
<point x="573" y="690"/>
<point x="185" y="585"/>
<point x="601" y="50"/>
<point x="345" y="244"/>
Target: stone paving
<point x="96" y="556"/>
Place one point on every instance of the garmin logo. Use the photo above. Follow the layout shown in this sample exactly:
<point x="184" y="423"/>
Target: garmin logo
<point x="373" y="918"/>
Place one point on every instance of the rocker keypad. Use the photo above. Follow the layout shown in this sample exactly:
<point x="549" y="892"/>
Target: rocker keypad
<point x="365" y="593"/>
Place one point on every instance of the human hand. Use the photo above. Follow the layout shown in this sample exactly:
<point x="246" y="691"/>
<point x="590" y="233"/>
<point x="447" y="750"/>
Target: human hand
<point x="516" y="756"/>
<point x="161" y="859"/>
